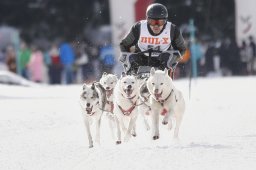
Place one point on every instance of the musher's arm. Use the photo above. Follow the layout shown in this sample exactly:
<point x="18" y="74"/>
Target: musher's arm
<point x="178" y="42"/>
<point x="131" y="39"/>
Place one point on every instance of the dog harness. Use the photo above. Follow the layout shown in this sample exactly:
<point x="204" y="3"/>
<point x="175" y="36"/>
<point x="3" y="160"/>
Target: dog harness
<point x="162" y="101"/>
<point x="129" y="111"/>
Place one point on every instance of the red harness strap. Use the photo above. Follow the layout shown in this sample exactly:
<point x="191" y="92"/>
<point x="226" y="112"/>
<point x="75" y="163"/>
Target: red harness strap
<point x="129" y="111"/>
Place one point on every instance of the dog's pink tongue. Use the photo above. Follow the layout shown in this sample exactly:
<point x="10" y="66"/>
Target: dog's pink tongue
<point x="129" y="92"/>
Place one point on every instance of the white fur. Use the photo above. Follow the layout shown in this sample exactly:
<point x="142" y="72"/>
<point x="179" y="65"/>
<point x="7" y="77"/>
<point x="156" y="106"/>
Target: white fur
<point x="160" y="86"/>
<point x="126" y="99"/>
<point x="108" y="82"/>
<point x="91" y="104"/>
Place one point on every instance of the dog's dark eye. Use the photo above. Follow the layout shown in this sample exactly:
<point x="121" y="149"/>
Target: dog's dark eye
<point x="153" y="83"/>
<point x="161" y="83"/>
<point x="92" y="97"/>
<point x="111" y="82"/>
<point x="133" y="82"/>
<point x="125" y="82"/>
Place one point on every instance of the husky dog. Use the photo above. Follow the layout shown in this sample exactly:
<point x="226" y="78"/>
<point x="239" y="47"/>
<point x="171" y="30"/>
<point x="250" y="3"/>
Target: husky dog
<point x="126" y="98"/>
<point x="108" y="82"/>
<point x="165" y="99"/>
<point x="91" y="102"/>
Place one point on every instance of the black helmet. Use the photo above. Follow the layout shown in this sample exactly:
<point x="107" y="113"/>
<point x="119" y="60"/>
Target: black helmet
<point x="157" y="11"/>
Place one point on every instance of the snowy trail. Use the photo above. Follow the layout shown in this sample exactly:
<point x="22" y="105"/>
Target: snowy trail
<point x="41" y="128"/>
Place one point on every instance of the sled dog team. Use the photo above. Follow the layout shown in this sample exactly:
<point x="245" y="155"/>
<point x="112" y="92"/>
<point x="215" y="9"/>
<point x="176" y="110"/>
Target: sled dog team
<point x="123" y="99"/>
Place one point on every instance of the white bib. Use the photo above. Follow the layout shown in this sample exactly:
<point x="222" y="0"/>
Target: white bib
<point x="160" y="42"/>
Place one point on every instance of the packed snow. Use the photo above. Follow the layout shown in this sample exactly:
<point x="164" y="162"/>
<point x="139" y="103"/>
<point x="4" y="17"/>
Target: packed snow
<point x="41" y="128"/>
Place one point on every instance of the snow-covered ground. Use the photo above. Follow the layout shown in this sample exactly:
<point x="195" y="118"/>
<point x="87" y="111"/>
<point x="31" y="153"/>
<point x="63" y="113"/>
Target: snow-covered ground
<point x="41" y="128"/>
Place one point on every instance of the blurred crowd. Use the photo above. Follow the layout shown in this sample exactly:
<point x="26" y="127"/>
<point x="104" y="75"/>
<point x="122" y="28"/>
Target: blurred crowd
<point x="220" y="58"/>
<point x="69" y="63"/>
<point x="61" y="63"/>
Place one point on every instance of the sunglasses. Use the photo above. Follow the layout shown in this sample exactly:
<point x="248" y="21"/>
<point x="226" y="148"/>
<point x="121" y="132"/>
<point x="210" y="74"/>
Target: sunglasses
<point x="159" y="22"/>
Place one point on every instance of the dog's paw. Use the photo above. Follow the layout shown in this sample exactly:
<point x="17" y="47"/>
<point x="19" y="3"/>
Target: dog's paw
<point x="118" y="142"/>
<point x="155" y="137"/>
<point x="164" y="122"/>
<point x="134" y="134"/>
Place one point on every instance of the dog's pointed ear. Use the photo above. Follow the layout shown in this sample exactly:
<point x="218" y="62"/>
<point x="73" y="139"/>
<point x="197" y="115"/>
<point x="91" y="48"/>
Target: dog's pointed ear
<point x="84" y="85"/>
<point x="104" y="74"/>
<point x="123" y="74"/>
<point x="152" y="71"/>
<point x="166" y="71"/>
<point x="93" y="85"/>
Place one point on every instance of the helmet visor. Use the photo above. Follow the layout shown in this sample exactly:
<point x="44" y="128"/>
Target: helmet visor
<point x="159" y="22"/>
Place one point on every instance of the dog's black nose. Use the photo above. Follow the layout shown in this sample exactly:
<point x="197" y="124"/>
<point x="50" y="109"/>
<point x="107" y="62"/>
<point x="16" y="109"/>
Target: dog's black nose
<point x="156" y="90"/>
<point x="87" y="104"/>
<point x="129" y="86"/>
<point x="107" y="88"/>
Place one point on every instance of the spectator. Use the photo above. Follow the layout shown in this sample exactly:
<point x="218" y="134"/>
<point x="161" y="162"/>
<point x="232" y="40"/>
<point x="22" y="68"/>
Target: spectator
<point x="23" y="59"/>
<point x="11" y="59"/>
<point x="55" y="66"/>
<point x="107" y="58"/>
<point x="36" y="65"/>
<point x="67" y="58"/>
<point x="210" y="62"/>
<point x="245" y="58"/>
<point x="94" y="65"/>
<point x="252" y="47"/>
<point x="84" y="63"/>
<point x="225" y="57"/>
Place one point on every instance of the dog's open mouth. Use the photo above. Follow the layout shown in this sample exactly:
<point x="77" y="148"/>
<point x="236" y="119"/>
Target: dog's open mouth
<point x="89" y="110"/>
<point x="158" y="95"/>
<point x="128" y="92"/>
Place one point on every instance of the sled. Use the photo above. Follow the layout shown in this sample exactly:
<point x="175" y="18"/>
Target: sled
<point x="144" y="71"/>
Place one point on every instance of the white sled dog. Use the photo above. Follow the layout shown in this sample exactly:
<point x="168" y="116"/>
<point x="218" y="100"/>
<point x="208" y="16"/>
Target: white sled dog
<point x="108" y="82"/>
<point x="91" y="102"/>
<point x="126" y="98"/>
<point x="165" y="99"/>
